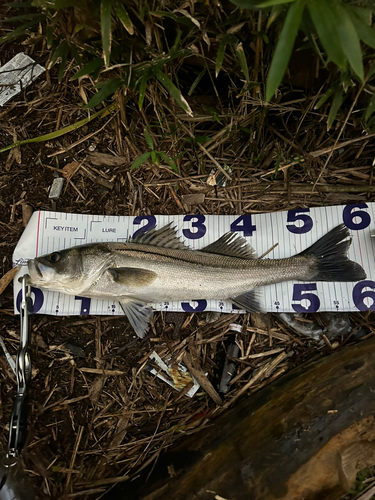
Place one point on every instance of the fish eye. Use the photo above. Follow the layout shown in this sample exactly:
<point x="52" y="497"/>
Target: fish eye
<point x="54" y="257"/>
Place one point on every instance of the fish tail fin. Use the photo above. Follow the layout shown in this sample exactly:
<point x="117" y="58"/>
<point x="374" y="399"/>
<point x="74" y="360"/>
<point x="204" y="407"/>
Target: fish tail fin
<point x="331" y="260"/>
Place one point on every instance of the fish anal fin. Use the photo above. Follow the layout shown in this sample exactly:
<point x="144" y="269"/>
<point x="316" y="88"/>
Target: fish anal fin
<point x="132" y="276"/>
<point x="165" y="237"/>
<point x="231" y="245"/>
<point x="138" y="313"/>
<point x="250" y="301"/>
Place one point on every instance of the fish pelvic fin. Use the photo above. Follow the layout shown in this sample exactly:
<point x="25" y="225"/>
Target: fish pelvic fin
<point x="250" y="301"/>
<point x="232" y="245"/>
<point x="138" y="313"/>
<point x="331" y="260"/>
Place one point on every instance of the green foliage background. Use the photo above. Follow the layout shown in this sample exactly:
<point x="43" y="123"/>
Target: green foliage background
<point x="120" y="45"/>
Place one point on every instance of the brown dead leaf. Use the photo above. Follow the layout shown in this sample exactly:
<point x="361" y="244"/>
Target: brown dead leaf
<point x="193" y="199"/>
<point x="70" y="169"/>
<point x="96" y="388"/>
<point x="27" y="212"/>
<point x="105" y="159"/>
<point x="7" y="278"/>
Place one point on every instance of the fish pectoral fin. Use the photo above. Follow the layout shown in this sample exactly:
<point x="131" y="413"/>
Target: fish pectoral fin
<point x="232" y="245"/>
<point x="131" y="276"/>
<point x="139" y="315"/>
<point x="250" y="301"/>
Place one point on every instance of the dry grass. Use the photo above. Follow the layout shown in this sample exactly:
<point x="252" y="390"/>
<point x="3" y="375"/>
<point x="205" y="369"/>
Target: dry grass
<point x="97" y="417"/>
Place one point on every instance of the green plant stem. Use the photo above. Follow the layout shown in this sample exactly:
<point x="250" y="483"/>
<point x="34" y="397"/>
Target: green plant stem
<point x="63" y="131"/>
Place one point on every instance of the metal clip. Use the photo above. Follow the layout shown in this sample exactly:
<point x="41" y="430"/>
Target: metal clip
<point x="18" y="419"/>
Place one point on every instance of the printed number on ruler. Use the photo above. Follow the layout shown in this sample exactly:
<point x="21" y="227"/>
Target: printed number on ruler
<point x="151" y="222"/>
<point x="300" y="295"/>
<point x="36" y="302"/>
<point x="300" y="216"/>
<point x="197" y="222"/>
<point x="85" y="304"/>
<point x="194" y="306"/>
<point x="362" y="298"/>
<point x="351" y="216"/>
<point x="243" y="224"/>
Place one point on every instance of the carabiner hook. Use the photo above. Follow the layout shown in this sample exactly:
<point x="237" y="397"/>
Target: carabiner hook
<point x="18" y="420"/>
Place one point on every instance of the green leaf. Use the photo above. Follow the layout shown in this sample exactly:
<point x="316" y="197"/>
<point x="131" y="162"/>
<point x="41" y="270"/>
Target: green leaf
<point x="275" y="12"/>
<point x="172" y="89"/>
<point x="325" y="21"/>
<point x="370" y="108"/>
<point x="18" y="5"/>
<point x="371" y="71"/>
<point x="242" y="60"/>
<point x="140" y="160"/>
<point x="336" y="103"/>
<point x="63" y="131"/>
<point x="154" y="157"/>
<point x="370" y="125"/>
<point x="365" y="32"/>
<point x="49" y="36"/>
<point x="228" y="38"/>
<point x="21" y="30"/>
<point x="142" y="88"/>
<point x="284" y="47"/>
<point x="177" y="41"/>
<point x="34" y="15"/>
<point x="326" y="96"/>
<point x="149" y="140"/>
<point x="308" y="27"/>
<point x="107" y="89"/>
<point x="75" y="54"/>
<point x="64" y="52"/>
<point x="363" y="13"/>
<point x="246" y="4"/>
<point x="123" y="15"/>
<point x="88" y="68"/>
<point x="168" y="161"/>
<point x="178" y="19"/>
<point x="106" y="23"/>
<point x="64" y="4"/>
<point x="61" y="51"/>
<point x="270" y="3"/>
<point x="196" y="81"/>
<point x="349" y="38"/>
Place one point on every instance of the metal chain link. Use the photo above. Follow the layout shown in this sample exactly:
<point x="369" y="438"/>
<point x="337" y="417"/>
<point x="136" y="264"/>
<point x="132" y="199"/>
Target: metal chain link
<point x="18" y="419"/>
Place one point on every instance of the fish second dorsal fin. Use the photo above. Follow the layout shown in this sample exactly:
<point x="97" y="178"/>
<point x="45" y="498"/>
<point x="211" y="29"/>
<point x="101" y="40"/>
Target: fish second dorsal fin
<point x="232" y="245"/>
<point x="165" y="237"/>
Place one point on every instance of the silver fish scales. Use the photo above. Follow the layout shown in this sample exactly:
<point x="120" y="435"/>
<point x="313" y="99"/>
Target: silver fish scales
<point x="157" y="267"/>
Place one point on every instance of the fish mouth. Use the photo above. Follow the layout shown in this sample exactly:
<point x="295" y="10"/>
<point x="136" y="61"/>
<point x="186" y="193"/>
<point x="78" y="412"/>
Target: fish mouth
<point x="34" y="269"/>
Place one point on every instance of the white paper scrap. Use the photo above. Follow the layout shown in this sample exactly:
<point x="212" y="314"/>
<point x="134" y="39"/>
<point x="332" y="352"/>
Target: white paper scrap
<point x="294" y="231"/>
<point x="16" y="74"/>
<point x="176" y="378"/>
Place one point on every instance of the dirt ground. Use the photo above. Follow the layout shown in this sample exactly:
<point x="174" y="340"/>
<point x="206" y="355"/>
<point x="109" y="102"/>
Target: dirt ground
<point x="96" y="416"/>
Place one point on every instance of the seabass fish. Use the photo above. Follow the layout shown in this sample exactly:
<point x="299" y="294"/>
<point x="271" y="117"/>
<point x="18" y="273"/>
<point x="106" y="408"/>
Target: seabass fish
<point x="157" y="267"/>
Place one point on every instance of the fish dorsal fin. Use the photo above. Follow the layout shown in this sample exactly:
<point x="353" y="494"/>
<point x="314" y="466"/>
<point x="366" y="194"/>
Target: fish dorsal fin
<point x="165" y="237"/>
<point x="232" y="245"/>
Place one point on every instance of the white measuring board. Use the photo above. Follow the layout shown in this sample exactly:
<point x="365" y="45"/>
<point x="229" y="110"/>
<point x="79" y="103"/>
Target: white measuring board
<point x="293" y="231"/>
<point x="16" y="74"/>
